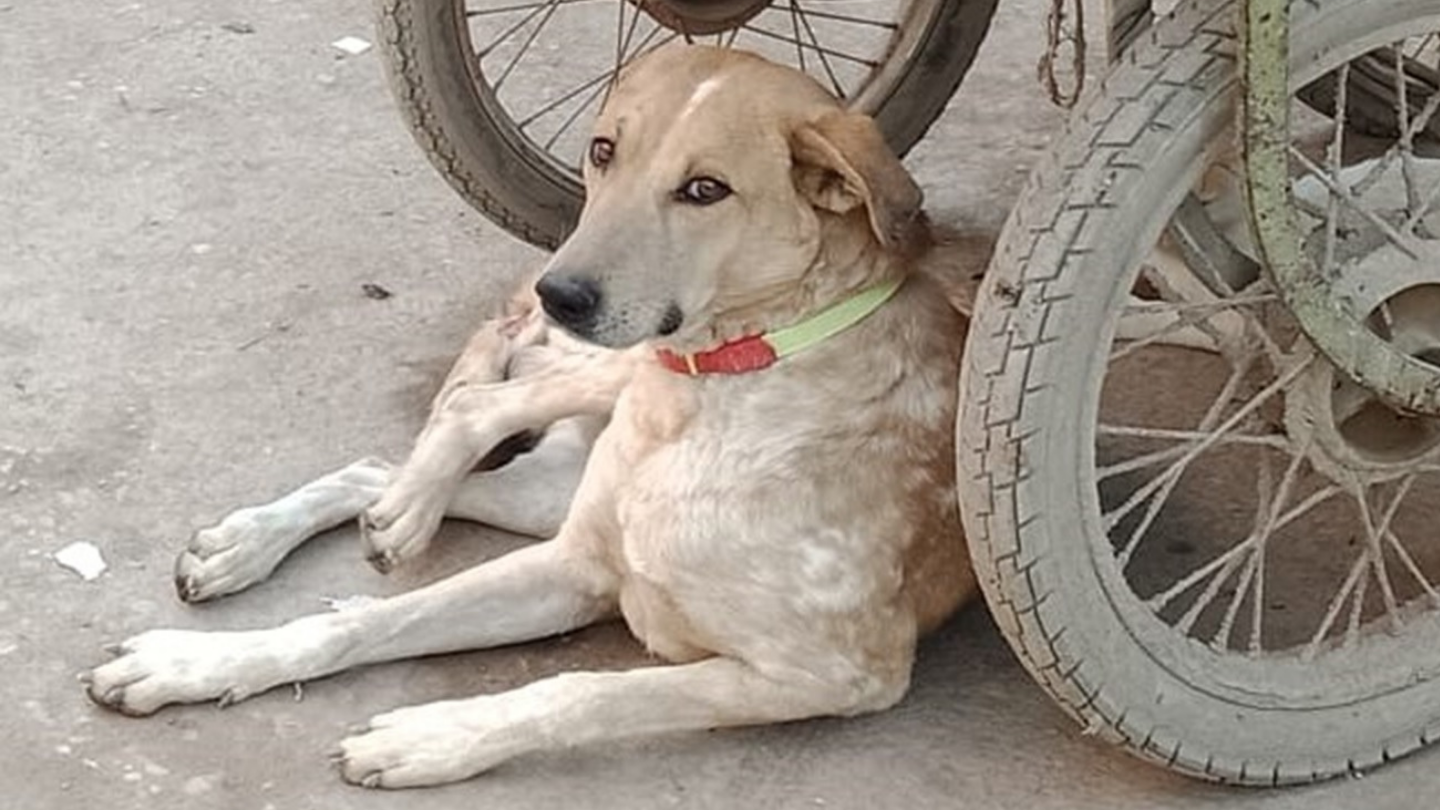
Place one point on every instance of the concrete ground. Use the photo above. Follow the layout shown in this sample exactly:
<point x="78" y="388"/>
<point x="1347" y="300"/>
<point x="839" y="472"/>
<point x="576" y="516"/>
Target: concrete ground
<point x="192" y="195"/>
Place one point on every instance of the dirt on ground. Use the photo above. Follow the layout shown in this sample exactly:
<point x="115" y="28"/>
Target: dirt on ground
<point x="199" y="203"/>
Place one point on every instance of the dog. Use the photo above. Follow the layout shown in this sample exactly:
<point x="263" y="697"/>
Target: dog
<point x="729" y="399"/>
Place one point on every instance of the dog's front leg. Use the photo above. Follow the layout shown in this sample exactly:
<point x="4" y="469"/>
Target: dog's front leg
<point x="470" y="422"/>
<point x="530" y="593"/>
<point x="452" y="740"/>
<point x="246" y="546"/>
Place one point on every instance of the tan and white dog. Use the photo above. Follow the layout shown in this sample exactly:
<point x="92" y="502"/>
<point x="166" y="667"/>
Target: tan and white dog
<point x="767" y="372"/>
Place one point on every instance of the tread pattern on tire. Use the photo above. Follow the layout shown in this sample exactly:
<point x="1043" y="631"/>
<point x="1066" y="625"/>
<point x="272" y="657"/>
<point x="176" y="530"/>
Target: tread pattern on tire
<point x="396" y="28"/>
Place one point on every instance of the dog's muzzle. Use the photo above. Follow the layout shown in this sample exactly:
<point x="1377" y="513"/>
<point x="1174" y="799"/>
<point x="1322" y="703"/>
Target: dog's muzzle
<point x="571" y="301"/>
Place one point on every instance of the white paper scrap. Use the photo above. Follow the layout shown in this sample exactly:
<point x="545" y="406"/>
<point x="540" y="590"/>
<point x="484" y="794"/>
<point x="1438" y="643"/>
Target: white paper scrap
<point x="83" y="558"/>
<point x="351" y="45"/>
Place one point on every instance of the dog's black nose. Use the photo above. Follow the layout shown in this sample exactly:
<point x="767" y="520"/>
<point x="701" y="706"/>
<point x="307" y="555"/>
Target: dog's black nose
<point x="572" y="301"/>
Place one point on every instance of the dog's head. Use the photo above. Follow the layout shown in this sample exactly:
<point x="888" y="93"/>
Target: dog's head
<point x="712" y="180"/>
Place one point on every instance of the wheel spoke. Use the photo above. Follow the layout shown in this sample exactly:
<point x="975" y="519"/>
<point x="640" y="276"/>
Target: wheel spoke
<point x="525" y="46"/>
<point x="1253" y="558"/>
<point x="830" y="15"/>
<point x="1113" y="518"/>
<point x="819" y="50"/>
<point x="795" y="27"/>
<point x="1189" y="303"/>
<point x="1333" y="156"/>
<point x="1139" y="432"/>
<point x="1424" y="43"/>
<point x="1337" y="602"/>
<point x="622" y="47"/>
<point x="559" y="101"/>
<point x="1147" y="306"/>
<point x="1212" y="589"/>
<point x="1374" y="534"/>
<point x="1152" y="510"/>
<point x="1426" y="206"/>
<point x="1160" y="600"/>
<point x="472" y="13"/>
<point x="1142" y="461"/>
<point x="1257" y="605"/>
<point x="1421" y="121"/>
<point x="535" y="11"/>
<point x="1408" y="168"/>
<point x="1347" y="197"/>
<point x="1272" y="523"/>
<point x="595" y="92"/>
<point x="1357" y="602"/>
<point x="1219" y="640"/>
<point x="1409" y="563"/>
<point x="1170" y="332"/>
<point x="621" y="35"/>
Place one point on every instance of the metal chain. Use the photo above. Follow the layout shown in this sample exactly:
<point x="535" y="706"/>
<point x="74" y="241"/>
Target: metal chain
<point x="1064" y="29"/>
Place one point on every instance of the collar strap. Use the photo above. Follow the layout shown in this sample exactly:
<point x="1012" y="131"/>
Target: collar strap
<point x="754" y="352"/>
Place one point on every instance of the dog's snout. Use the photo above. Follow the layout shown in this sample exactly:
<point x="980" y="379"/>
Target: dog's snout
<point x="572" y="301"/>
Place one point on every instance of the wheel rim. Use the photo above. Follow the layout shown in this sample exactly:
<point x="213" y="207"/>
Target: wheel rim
<point x="547" y="63"/>
<point x="1315" y="571"/>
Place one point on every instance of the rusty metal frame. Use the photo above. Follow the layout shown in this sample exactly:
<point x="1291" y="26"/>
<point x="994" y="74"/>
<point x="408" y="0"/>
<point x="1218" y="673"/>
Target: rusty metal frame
<point x="1402" y="381"/>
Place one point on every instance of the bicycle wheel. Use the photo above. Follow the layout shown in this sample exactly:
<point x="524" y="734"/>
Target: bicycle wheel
<point x="500" y="93"/>
<point x="1206" y="544"/>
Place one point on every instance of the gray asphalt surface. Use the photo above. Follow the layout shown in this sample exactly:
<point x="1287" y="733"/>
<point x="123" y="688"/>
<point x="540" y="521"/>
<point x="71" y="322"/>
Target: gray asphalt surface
<point x="192" y="195"/>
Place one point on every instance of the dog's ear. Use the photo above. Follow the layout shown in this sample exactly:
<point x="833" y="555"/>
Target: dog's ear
<point x="841" y="161"/>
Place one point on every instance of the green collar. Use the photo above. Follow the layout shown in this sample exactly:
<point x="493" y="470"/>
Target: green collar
<point x="756" y="352"/>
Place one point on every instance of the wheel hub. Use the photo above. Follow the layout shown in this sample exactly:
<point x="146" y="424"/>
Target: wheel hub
<point x="701" y="17"/>
<point x="1352" y="434"/>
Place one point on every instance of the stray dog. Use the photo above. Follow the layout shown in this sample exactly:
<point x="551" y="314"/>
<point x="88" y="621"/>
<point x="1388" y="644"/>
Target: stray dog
<point x="747" y="454"/>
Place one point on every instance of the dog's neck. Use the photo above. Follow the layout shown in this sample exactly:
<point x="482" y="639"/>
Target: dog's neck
<point x="761" y="351"/>
<point x="848" y="261"/>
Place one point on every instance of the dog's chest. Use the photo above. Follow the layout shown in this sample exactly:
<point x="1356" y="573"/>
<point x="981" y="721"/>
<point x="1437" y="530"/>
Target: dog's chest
<point x="693" y="458"/>
<point x="735" y="505"/>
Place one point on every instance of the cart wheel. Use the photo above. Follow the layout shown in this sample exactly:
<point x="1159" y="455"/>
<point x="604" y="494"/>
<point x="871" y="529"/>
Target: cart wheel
<point x="1204" y="543"/>
<point x="500" y="93"/>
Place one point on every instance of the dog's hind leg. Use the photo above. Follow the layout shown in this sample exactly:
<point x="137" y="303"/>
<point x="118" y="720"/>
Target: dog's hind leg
<point x="535" y="591"/>
<point x="451" y="740"/>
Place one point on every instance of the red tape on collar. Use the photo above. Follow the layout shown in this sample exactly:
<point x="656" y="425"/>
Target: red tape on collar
<point x="736" y="357"/>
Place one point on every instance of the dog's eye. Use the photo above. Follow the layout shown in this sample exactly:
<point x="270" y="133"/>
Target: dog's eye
<point x="602" y="151"/>
<point x="703" y="191"/>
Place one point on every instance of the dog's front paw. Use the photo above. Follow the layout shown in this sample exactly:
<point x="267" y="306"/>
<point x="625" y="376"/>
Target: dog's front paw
<point x="396" y="530"/>
<point x="161" y="667"/>
<point x="227" y="558"/>
<point x="430" y="744"/>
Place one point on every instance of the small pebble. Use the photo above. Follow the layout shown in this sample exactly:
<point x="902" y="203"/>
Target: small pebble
<point x="375" y="291"/>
